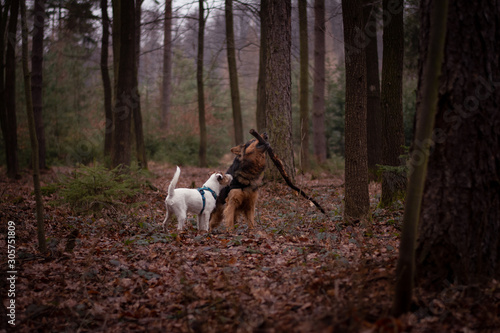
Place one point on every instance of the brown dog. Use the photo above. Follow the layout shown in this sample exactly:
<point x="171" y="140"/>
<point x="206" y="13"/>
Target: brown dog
<point x="241" y="195"/>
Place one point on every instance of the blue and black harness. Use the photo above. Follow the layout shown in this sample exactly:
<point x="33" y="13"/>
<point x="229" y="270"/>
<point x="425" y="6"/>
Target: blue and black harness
<point x="202" y="192"/>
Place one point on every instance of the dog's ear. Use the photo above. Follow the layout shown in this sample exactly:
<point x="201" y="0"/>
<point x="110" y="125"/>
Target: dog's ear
<point x="220" y="177"/>
<point x="237" y="150"/>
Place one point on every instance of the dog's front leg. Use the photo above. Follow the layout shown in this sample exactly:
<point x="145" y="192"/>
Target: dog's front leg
<point x="203" y="222"/>
<point x="233" y="202"/>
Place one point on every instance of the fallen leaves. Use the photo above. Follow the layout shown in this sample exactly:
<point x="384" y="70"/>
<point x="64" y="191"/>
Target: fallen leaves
<point x="297" y="272"/>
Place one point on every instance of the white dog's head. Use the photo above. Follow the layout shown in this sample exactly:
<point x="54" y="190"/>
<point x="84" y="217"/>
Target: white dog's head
<point x="218" y="180"/>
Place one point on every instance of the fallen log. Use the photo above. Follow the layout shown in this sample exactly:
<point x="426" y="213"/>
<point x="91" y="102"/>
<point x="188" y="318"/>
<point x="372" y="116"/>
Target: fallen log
<point x="281" y="168"/>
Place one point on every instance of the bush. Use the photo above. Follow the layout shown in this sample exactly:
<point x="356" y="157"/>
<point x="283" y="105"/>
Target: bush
<point x="94" y="188"/>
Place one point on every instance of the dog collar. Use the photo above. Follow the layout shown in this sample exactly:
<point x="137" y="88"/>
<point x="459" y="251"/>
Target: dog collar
<point x="202" y="192"/>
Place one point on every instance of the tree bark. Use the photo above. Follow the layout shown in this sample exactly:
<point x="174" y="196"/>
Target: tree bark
<point x="261" y="82"/>
<point x="37" y="78"/>
<point x="4" y="12"/>
<point x="125" y="84"/>
<point x="167" y="67"/>
<point x="106" y="81"/>
<point x="356" y="166"/>
<point x="393" y="183"/>
<point x="459" y="231"/>
<point x="233" y="74"/>
<point x="278" y="85"/>
<point x="304" y="87"/>
<point x="373" y="109"/>
<point x="42" y="246"/>
<point x="428" y="89"/>
<point x="138" y="130"/>
<point x="10" y="128"/>
<point x="318" y="112"/>
<point x="202" y="154"/>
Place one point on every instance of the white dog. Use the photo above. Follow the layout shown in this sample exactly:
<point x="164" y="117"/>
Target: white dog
<point x="199" y="201"/>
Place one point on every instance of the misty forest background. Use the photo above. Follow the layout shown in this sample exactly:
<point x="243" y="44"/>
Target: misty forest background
<point x="73" y="99"/>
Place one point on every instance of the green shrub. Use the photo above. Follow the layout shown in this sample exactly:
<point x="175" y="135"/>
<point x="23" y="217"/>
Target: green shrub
<point x="90" y="189"/>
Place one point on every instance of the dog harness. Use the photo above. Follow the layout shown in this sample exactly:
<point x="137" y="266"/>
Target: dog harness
<point x="202" y="192"/>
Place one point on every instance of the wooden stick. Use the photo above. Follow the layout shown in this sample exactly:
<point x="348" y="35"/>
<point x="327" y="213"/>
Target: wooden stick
<point x="281" y="168"/>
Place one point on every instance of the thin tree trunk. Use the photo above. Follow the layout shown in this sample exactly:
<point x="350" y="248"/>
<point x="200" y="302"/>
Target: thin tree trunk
<point x="356" y="167"/>
<point x="278" y="86"/>
<point x="167" y="67"/>
<point x="393" y="183"/>
<point x="138" y="130"/>
<point x="37" y="77"/>
<point x="318" y="112"/>
<point x="32" y="130"/>
<point x="429" y="86"/>
<point x="261" y="82"/>
<point x="4" y="11"/>
<point x="125" y="84"/>
<point x="10" y="130"/>
<point x="304" y="86"/>
<point x="373" y="109"/>
<point x="202" y="155"/>
<point x="108" y="95"/>
<point x="233" y="74"/>
<point x="459" y="231"/>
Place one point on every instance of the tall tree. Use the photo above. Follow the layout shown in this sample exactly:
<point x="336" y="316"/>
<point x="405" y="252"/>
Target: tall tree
<point x="304" y="86"/>
<point x="278" y="84"/>
<point x="124" y="18"/>
<point x="356" y="167"/>
<point x="202" y="154"/>
<point x="393" y="182"/>
<point x="42" y="246"/>
<point x="459" y="238"/>
<point x="167" y="66"/>
<point x="136" y="107"/>
<point x="4" y="14"/>
<point x="37" y="77"/>
<point x="318" y="119"/>
<point x="106" y="82"/>
<point x="373" y="109"/>
<point x="261" y="82"/>
<point x="233" y="73"/>
<point x="8" y="119"/>
<point x="428" y="90"/>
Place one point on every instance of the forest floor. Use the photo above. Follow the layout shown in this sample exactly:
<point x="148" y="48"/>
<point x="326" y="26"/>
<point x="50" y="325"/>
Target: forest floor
<point x="299" y="271"/>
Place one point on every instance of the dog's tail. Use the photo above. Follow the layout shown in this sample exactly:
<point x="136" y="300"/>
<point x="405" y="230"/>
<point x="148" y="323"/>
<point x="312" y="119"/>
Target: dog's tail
<point x="173" y="183"/>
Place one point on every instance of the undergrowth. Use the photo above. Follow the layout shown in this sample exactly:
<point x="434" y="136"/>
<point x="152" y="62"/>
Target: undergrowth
<point x="90" y="189"/>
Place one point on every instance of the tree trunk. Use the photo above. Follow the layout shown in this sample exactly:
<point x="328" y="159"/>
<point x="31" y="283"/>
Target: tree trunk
<point x="42" y="246"/>
<point x="319" y="82"/>
<point x="373" y="110"/>
<point x="278" y="85"/>
<point x="393" y="182"/>
<point x="37" y="78"/>
<point x="125" y="84"/>
<point x="106" y="82"/>
<point x="356" y="167"/>
<point x="459" y="232"/>
<point x="10" y="128"/>
<point x="202" y="154"/>
<point x="428" y="89"/>
<point x="233" y="74"/>
<point x="304" y="87"/>
<point x="138" y="130"/>
<point x="167" y="67"/>
<point x="261" y="82"/>
<point x="4" y="11"/>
